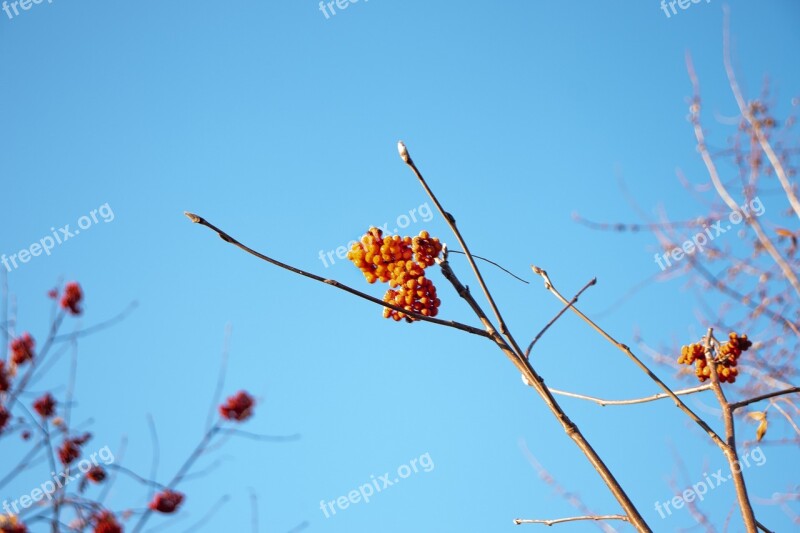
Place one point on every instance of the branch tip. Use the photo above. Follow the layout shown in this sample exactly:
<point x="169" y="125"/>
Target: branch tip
<point x="403" y="151"/>
<point x="194" y="218"/>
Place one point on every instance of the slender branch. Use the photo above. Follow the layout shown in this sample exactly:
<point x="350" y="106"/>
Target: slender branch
<point x="737" y="405"/>
<point x="745" y="507"/>
<point x="452" y="223"/>
<point x="223" y="369"/>
<point x="198" y="451"/>
<point x="555" y="521"/>
<point x="603" y="403"/>
<point x="786" y="415"/>
<point x="227" y="238"/>
<point x="151" y="425"/>
<point x="257" y="436"/>
<point x="574" y="300"/>
<point x="98" y="327"/>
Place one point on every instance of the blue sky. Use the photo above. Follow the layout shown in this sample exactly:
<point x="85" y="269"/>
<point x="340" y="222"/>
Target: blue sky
<point x="280" y="125"/>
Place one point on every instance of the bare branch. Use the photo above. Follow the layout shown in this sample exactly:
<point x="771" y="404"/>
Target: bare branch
<point x="555" y="521"/>
<point x="227" y="238"/>
<point x="766" y="396"/>
<point x="659" y="396"/>
<point x="574" y="300"/>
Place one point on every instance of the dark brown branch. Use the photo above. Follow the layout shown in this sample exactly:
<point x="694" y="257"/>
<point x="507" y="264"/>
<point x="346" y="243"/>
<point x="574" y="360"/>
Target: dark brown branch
<point x="227" y="238"/>
<point x="737" y="405"/>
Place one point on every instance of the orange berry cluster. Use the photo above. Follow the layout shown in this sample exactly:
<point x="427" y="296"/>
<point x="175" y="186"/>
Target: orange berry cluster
<point x="725" y="359"/>
<point x="400" y="261"/>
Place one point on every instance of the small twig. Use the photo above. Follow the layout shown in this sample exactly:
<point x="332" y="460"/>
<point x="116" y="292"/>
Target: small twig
<point x="156" y="450"/>
<point x="493" y="263"/>
<point x="555" y="521"/>
<point x="211" y="512"/>
<point x="574" y="300"/>
<point x="223" y="368"/>
<point x="659" y="396"/>
<point x="227" y="238"/>
<point x="98" y="327"/>
<point x="255" y="436"/>
<point x="737" y="405"/>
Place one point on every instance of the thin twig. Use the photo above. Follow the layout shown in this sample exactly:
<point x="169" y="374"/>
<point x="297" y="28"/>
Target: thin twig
<point x="555" y="521"/>
<point x="493" y="263"/>
<point x="574" y="300"/>
<point x="737" y="405"/>
<point x="223" y="368"/>
<point x="156" y="451"/>
<point x="659" y="396"/>
<point x="98" y="327"/>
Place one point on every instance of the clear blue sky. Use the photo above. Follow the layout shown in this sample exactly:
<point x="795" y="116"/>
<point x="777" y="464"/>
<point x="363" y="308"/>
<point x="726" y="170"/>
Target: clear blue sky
<point x="280" y="126"/>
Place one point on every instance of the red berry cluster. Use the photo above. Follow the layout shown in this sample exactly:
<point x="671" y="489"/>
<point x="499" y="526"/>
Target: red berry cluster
<point x="70" y="449"/>
<point x="106" y="522"/>
<point x="5" y="382"/>
<point x="45" y="405"/>
<point x="22" y="349"/>
<point x="238" y="407"/>
<point x="166" y="501"/>
<point x="71" y="299"/>
<point x="5" y="416"/>
<point x="96" y="474"/>
<point x="725" y="358"/>
<point x="10" y="524"/>
<point x="400" y="261"/>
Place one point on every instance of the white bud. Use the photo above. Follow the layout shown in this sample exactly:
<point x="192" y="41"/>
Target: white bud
<point x="401" y="148"/>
